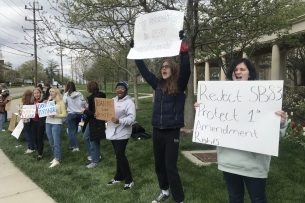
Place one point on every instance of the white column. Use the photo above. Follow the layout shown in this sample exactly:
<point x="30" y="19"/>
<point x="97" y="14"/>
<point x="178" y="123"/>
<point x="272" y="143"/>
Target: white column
<point x="256" y="64"/>
<point x="222" y="73"/>
<point x="275" y="62"/>
<point x="207" y="71"/>
<point x="195" y="78"/>
<point x="283" y="69"/>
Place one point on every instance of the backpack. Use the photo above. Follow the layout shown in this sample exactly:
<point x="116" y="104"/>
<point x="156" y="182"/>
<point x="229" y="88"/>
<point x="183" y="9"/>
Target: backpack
<point x="138" y="132"/>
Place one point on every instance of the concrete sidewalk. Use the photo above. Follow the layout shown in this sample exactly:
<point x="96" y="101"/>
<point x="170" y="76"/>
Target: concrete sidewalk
<point x="15" y="187"/>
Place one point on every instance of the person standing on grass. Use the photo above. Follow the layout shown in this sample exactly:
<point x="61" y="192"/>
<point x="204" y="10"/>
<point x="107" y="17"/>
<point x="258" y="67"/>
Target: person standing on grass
<point x="3" y="101"/>
<point x="119" y="131"/>
<point x="168" y="119"/>
<point x="26" y="100"/>
<point x="242" y="168"/>
<point x="7" y="93"/>
<point x="54" y="125"/>
<point x="94" y="130"/>
<point x="73" y="100"/>
<point x="38" y="124"/>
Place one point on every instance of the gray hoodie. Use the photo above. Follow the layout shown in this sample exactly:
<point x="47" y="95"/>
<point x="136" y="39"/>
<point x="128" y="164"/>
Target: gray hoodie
<point x="73" y="102"/>
<point x="245" y="163"/>
<point x="125" y="111"/>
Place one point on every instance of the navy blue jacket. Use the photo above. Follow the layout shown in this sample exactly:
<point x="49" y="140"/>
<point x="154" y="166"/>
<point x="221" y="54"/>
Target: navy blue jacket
<point x="168" y="111"/>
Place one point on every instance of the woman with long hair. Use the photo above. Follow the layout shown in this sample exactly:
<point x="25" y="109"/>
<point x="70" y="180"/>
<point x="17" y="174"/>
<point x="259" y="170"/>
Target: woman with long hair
<point x="73" y="101"/>
<point x="54" y="125"/>
<point x="94" y="130"/>
<point x="168" y="119"/>
<point x="38" y="124"/>
<point x="26" y="100"/>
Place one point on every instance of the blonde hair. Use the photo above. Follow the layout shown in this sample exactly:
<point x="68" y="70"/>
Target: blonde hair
<point x="58" y="96"/>
<point x="41" y="95"/>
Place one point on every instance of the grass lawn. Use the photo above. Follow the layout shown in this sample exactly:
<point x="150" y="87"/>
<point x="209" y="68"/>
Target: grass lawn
<point x="72" y="182"/>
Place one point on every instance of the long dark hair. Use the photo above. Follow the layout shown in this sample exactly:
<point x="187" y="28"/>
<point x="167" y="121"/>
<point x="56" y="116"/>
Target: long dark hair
<point x="170" y="84"/>
<point x="70" y="87"/>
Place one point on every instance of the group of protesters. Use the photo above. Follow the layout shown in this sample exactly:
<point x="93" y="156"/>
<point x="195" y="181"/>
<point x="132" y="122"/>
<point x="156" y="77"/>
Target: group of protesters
<point x="239" y="167"/>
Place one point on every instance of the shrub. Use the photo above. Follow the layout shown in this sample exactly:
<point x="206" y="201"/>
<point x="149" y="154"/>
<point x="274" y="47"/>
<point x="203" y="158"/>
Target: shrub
<point x="295" y="132"/>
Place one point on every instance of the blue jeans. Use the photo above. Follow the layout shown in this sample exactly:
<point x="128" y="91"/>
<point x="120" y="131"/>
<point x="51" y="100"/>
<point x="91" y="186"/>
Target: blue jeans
<point x="256" y="188"/>
<point x="73" y="121"/>
<point x="2" y="118"/>
<point x="54" y="135"/>
<point x="93" y="147"/>
<point x="28" y="135"/>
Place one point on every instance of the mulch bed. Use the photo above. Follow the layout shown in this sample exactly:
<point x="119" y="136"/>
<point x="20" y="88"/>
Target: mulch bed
<point x="206" y="157"/>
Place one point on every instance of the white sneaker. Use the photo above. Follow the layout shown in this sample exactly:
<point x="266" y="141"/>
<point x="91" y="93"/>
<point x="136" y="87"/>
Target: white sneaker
<point x="52" y="161"/>
<point x="128" y="186"/>
<point x="75" y="149"/>
<point x="28" y="151"/>
<point x="55" y="163"/>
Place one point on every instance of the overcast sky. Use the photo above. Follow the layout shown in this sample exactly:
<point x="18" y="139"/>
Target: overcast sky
<point x="12" y="19"/>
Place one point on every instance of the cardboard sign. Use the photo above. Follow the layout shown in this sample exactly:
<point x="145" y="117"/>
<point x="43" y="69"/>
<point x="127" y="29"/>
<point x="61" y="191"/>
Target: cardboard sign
<point x="17" y="131"/>
<point x="157" y="35"/>
<point x="28" y="111"/>
<point x="8" y="105"/>
<point x="46" y="109"/>
<point x="12" y="124"/>
<point x="104" y="108"/>
<point x="239" y="115"/>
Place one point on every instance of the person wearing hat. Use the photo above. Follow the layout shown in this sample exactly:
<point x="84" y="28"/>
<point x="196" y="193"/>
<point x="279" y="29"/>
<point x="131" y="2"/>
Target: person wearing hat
<point x="119" y="131"/>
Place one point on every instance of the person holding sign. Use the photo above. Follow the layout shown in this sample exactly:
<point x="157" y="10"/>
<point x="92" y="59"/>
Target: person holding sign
<point x="94" y="130"/>
<point x="167" y="119"/>
<point x="242" y="167"/>
<point x="26" y="100"/>
<point x="119" y="131"/>
<point x="54" y="125"/>
<point x="37" y="123"/>
<point x="73" y="100"/>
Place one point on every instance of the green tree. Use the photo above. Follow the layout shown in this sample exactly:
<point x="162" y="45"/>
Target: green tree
<point x="27" y="71"/>
<point x="218" y="26"/>
<point x="52" y="71"/>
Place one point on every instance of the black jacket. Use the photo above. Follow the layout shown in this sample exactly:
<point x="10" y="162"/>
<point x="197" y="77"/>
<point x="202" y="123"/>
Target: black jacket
<point x="168" y="111"/>
<point x="47" y="94"/>
<point x="97" y="127"/>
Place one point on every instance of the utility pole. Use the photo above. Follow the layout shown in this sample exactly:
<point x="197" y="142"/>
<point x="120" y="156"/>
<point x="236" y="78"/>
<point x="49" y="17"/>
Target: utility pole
<point x="35" y="45"/>
<point x="62" y="70"/>
<point x="71" y="67"/>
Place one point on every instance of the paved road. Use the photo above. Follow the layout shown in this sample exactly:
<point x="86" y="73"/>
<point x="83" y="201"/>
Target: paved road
<point x="15" y="92"/>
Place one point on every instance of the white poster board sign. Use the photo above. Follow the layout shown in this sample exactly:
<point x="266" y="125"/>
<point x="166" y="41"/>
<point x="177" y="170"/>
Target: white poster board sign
<point x="18" y="129"/>
<point x="157" y="35"/>
<point x="239" y="115"/>
<point x="46" y="109"/>
<point x="28" y="111"/>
